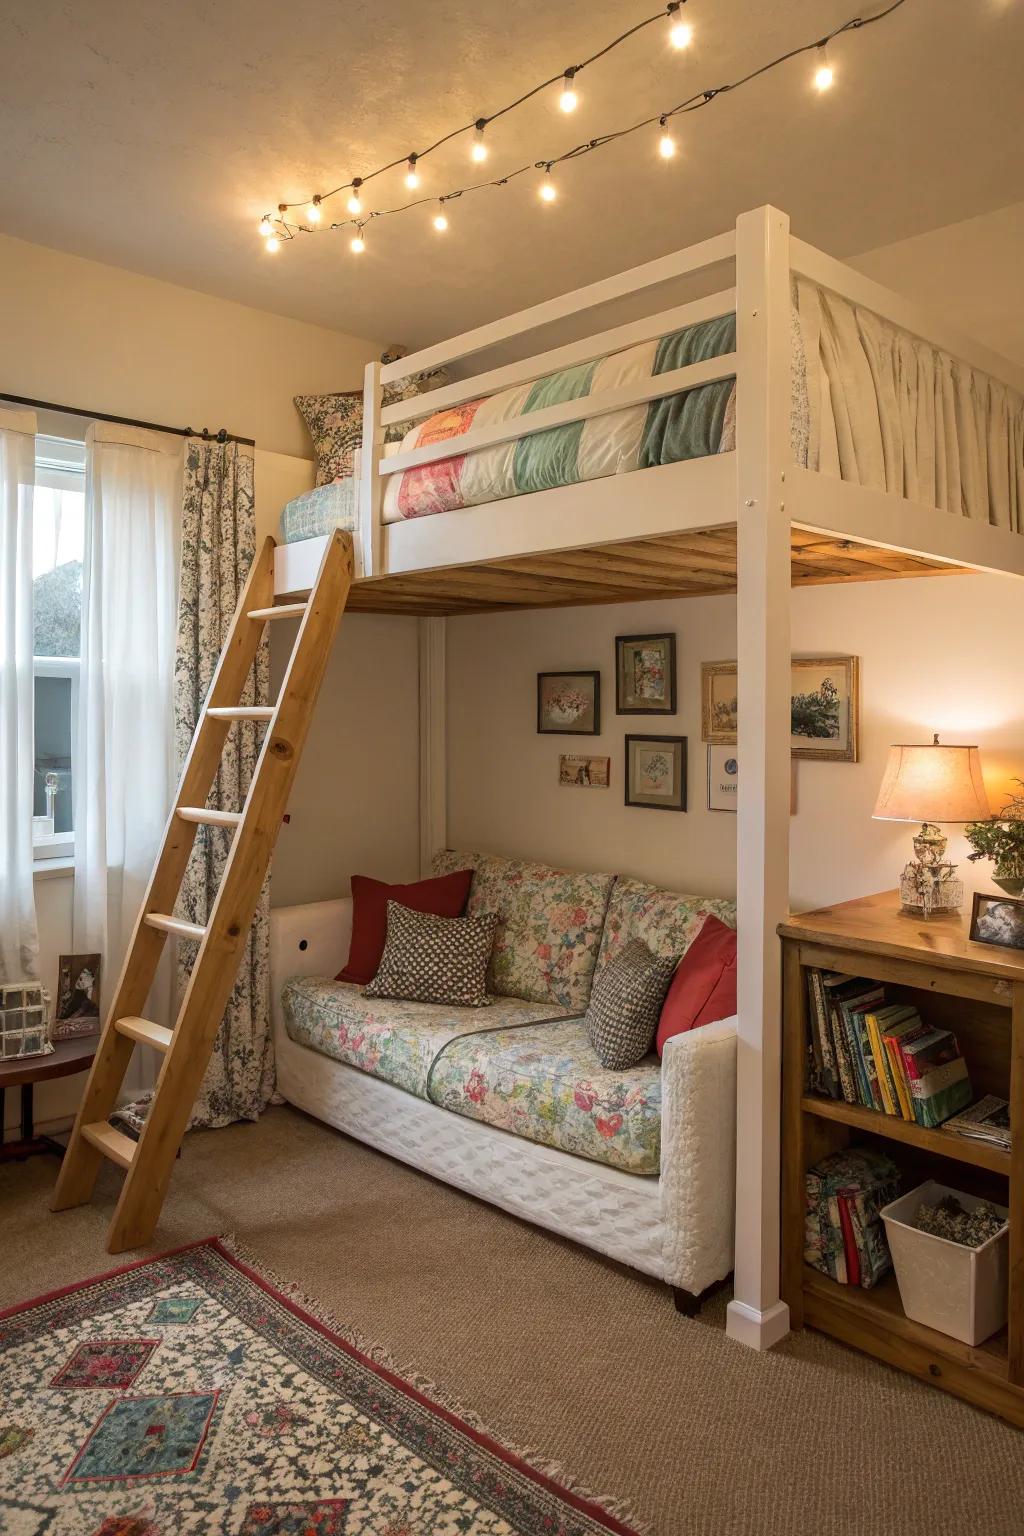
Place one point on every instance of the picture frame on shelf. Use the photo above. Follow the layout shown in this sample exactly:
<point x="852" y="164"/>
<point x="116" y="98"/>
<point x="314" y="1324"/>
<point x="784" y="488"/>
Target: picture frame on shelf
<point x="77" y="1013"/>
<point x="569" y="703"/>
<point x="656" y="772"/>
<point x="580" y="771"/>
<point x="997" y="920"/>
<point x="645" y="674"/>
<point x="825" y="708"/>
<point x="718" y="703"/>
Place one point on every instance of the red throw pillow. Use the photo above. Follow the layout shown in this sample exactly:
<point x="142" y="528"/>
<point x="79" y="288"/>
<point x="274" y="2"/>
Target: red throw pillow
<point x="444" y="897"/>
<point x="704" y="986"/>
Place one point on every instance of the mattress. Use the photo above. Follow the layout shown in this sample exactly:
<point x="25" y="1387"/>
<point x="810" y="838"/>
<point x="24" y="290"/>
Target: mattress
<point x="320" y="511"/>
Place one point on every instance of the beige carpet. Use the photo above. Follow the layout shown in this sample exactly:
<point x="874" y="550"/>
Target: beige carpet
<point x="555" y="1348"/>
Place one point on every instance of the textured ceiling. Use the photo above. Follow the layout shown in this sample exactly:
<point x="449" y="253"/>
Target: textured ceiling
<point x="152" y="136"/>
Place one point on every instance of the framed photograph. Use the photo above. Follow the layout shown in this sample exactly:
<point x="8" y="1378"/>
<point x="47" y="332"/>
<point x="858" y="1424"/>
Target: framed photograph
<point x="718" y="703"/>
<point x="569" y="703"/>
<point x="656" y="772"/>
<point x="723" y="778"/>
<point x="825" y="693"/>
<point x="998" y="920"/>
<point x="645" y="674"/>
<point x="78" y="997"/>
<point x="581" y="772"/>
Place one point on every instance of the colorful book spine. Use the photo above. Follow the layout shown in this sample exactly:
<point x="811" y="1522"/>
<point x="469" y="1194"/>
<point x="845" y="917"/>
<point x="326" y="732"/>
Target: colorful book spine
<point x="883" y="1067"/>
<point x="844" y="1056"/>
<point x="820" y="1024"/>
<point x="874" y="1093"/>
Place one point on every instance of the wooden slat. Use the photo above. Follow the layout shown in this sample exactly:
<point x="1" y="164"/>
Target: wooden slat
<point x="241" y="712"/>
<point x="175" y="925"/>
<point x="109" y="1143"/>
<point x="281" y="611"/>
<point x="145" y="1032"/>
<point x="205" y="817"/>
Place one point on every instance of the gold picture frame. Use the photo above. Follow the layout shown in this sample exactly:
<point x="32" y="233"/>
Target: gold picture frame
<point x="718" y="703"/>
<point x="825" y="707"/>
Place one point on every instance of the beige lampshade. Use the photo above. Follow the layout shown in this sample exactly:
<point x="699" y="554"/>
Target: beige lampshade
<point x="935" y="783"/>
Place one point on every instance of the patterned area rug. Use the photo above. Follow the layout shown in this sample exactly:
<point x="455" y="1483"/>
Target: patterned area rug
<point x="187" y="1396"/>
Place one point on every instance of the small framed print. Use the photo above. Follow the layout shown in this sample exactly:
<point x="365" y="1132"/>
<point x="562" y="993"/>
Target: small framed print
<point x="825" y="708"/>
<point x="569" y="703"/>
<point x="78" y="997"/>
<point x="578" y="771"/>
<point x="719" y="706"/>
<point x="723" y="778"/>
<point x="645" y="674"/>
<point x="997" y="920"/>
<point x="656" y="772"/>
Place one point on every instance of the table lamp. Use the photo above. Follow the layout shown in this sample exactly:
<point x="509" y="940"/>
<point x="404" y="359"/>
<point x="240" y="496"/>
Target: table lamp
<point x="932" y="784"/>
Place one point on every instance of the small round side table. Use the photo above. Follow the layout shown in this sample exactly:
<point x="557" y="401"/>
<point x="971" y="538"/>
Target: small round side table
<point x="66" y="1058"/>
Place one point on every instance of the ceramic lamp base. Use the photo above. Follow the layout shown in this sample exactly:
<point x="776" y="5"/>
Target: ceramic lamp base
<point x="921" y="896"/>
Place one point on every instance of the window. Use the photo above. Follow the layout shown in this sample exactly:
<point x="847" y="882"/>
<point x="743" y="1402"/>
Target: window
<point x="57" y="553"/>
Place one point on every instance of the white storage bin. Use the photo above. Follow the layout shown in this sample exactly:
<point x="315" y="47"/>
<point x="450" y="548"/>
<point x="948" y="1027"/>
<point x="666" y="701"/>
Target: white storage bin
<point x="957" y="1290"/>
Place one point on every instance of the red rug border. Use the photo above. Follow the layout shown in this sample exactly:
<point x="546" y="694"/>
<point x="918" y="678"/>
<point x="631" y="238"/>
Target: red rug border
<point x="575" y="1501"/>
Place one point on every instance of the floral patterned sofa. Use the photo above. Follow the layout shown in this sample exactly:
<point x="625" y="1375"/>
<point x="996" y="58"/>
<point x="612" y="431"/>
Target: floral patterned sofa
<point x="511" y="1102"/>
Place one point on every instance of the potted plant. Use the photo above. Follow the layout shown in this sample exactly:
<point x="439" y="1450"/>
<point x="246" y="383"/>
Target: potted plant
<point x="1001" y="839"/>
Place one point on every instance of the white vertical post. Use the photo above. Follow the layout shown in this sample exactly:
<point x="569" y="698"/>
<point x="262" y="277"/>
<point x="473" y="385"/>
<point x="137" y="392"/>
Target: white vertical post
<point x="371" y="489"/>
<point x="757" y="1316"/>
<point x="433" y="741"/>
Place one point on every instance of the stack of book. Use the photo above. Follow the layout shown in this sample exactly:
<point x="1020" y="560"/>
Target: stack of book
<point x="881" y="1055"/>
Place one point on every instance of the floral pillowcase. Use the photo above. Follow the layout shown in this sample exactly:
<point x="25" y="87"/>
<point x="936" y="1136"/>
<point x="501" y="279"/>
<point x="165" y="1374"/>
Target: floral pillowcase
<point x="335" y="422"/>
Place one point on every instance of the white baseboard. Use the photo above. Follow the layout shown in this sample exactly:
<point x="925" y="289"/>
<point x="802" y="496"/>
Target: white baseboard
<point x="758" y="1330"/>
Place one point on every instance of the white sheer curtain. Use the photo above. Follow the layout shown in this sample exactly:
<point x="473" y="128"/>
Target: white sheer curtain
<point x="19" y="942"/>
<point x="126" y="769"/>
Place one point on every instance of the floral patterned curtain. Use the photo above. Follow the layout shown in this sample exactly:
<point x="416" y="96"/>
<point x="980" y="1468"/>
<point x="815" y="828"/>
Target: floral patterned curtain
<point x="218" y="545"/>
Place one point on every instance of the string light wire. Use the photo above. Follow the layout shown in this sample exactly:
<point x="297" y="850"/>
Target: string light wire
<point x="286" y="230"/>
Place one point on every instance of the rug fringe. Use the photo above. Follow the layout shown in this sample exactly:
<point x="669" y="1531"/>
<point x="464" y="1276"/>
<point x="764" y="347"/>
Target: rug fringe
<point x="619" y="1509"/>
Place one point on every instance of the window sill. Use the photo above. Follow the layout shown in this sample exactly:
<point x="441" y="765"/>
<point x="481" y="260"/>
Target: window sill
<point x="53" y="869"/>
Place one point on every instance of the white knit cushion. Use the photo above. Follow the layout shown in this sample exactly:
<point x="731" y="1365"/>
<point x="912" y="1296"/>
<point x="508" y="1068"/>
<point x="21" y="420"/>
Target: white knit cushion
<point x="625" y="1004"/>
<point x="430" y="959"/>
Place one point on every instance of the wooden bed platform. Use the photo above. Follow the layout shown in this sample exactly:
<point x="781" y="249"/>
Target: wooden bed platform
<point x="689" y="564"/>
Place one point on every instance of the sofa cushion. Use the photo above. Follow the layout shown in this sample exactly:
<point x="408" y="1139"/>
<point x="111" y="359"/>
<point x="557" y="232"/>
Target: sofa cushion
<point x="546" y="1083"/>
<point x="625" y="1003"/>
<point x="445" y="898"/>
<point x="549" y="929"/>
<point x="667" y="922"/>
<point x="704" y="986"/>
<point x="393" y="1040"/>
<point x="430" y="959"/>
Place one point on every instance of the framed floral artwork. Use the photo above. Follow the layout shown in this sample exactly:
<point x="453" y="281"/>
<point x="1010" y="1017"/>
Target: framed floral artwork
<point x="645" y="674"/>
<point x="569" y="703"/>
<point x="656" y="772"/>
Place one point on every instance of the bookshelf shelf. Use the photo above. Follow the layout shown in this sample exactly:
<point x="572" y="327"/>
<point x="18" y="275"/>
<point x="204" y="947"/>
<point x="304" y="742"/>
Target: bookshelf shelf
<point x="978" y="992"/>
<point x="943" y="1143"/>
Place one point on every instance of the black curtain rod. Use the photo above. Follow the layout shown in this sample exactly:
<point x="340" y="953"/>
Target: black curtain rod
<point x="126" y="421"/>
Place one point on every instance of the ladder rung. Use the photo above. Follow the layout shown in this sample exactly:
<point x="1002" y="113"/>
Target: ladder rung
<point x="175" y="925"/>
<point x="282" y="611"/>
<point x="113" y="1144"/>
<point x="242" y="712"/>
<point x="145" y="1032"/>
<point x="209" y="818"/>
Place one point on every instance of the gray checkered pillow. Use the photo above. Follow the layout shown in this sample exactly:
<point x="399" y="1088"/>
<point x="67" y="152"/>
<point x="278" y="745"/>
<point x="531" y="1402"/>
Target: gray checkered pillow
<point x="625" y="1003"/>
<point x="431" y="959"/>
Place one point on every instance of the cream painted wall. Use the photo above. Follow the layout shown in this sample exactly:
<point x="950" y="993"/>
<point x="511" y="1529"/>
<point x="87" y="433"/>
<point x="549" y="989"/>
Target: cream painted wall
<point x="936" y="654"/>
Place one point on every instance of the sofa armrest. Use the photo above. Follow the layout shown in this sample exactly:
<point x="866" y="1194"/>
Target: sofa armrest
<point x="308" y="940"/>
<point x="698" y="1154"/>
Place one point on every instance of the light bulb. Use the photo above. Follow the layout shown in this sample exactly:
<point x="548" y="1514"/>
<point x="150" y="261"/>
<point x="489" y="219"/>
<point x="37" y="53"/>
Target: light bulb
<point x="824" y="74"/>
<point x="357" y="244"/>
<point x="548" y="190"/>
<point x="266" y="227"/>
<point x="680" y="33"/>
<point x="568" y="101"/>
<point x="440" y="221"/>
<point x="355" y="202"/>
<point x="272" y="245"/>
<point x="479" y="151"/>
<point x="666" y="145"/>
<point x="313" y="213"/>
<point x="412" y="175"/>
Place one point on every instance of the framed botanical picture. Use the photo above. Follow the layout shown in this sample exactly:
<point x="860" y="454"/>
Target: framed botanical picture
<point x="718" y="702"/>
<point x="581" y="772"/>
<point x="569" y="703"/>
<point x="78" y="997"/>
<point x="723" y="780"/>
<point x="645" y="674"/>
<point x="656" y="772"/>
<point x="825" y="693"/>
<point x="997" y="920"/>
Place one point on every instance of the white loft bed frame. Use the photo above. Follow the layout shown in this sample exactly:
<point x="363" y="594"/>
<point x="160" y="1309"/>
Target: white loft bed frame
<point x="761" y="493"/>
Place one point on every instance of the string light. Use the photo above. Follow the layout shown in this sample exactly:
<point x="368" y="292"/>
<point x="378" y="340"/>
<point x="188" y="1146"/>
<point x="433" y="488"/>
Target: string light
<point x="266" y="227"/>
<point x="272" y="244"/>
<point x="355" y="202"/>
<point x="666" y="144"/>
<point x="412" y="175"/>
<point x="568" y="101"/>
<point x="357" y="244"/>
<point x="680" y="32"/>
<point x="824" y="74"/>
<point x="479" y="151"/>
<point x="548" y="191"/>
<point x="313" y="213"/>
<point x="440" y="219"/>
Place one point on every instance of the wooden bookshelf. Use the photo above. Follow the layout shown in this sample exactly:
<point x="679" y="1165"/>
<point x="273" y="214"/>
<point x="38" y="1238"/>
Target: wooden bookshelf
<point x="978" y="991"/>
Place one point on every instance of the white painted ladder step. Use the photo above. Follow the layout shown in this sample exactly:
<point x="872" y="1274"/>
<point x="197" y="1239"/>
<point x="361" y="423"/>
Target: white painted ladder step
<point x="208" y="818"/>
<point x="113" y="1144"/>
<point x="145" y="1032"/>
<point x="282" y="611"/>
<point x="175" y="925"/>
<point x="242" y="712"/>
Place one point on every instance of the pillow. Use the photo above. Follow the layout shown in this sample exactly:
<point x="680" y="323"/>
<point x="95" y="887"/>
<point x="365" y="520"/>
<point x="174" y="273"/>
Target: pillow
<point x="430" y="959"/>
<point x="625" y="1004"/>
<point x="335" y="424"/>
<point x="445" y="897"/>
<point x="704" y="986"/>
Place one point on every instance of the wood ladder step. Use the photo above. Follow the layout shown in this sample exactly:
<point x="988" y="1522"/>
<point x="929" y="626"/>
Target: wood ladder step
<point x="282" y="611"/>
<point x="175" y="925"/>
<point x="242" y="712"/>
<point x="145" y="1032"/>
<point x="113" y="1144"/>
<point x="208" y="818"/>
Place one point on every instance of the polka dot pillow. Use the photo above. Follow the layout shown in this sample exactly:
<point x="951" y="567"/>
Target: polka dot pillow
<point x="430" y="959"/>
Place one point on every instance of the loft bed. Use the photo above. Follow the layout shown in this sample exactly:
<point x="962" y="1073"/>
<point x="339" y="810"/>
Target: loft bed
<point x="900" y="454"/>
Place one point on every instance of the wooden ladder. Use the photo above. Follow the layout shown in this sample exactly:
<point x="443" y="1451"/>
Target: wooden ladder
<point x="187" y="1047"/>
